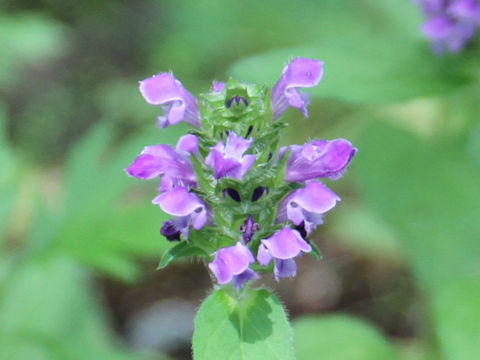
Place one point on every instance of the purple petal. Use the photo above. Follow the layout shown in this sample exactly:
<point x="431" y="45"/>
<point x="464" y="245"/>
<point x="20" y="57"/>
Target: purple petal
<point x="241" y="279"/>
<point x="462" y="34"/>
<point x="300" y="73"/>
<point x="180" y="202"/>
<point x="178" y="104"/>
<point x="236" y="145"/>
<point x="263" y="256"/>
<point x="438" y="28"/>
<point x="161" y="151"/>
<point x="286" y="244"/>
<point x="319" y="158"/>
<point x="199" y="218"/>
<point x="144" y="167"/>
<point x="230" y="261"/>
<point x="188" y="143"/>
<point x="311" y="222"/>
<point x="314" y="198"/>
<point x="245" y="165"/>
<point x="465" y="10"/>
<point x="431" y="6"/>
<point x="159" y="160"/>
<point x="305" y="207"/>
<point x="284" y="268"/>
<point x="221" y="271"/>
<point x="169" y="182"/>
<point x="221" y="165"/>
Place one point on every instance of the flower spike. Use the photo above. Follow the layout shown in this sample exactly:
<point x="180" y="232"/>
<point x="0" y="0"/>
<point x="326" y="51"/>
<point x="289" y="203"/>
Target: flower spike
<point x="236" y="199"/>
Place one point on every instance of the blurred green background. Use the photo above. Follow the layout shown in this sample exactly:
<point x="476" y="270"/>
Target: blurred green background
<point x="79" y="240"/>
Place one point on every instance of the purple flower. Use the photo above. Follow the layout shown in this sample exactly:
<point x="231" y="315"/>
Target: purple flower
<point x="177" y="103"/>
<point x="306" y="207"/>
<point x="184" y="204"/>
<point x="465" y="10"/>
<point x="446" y="34"/>
<point x="318" y="158"/>
<point x="450" y="24"/>
<point x="173" y="164"/>
<point x="248" y="229"/>
<point x="282" y="247"/>
<point x="431" y="6"/>
<point x="228" y="160"/>
<point x="300" y="73"/>
<point x="232" y="264"/>
<point x="172" y="229"/>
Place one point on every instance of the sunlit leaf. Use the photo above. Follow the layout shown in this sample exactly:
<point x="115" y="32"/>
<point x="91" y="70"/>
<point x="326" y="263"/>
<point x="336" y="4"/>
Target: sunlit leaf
<point x="244" y="327"/>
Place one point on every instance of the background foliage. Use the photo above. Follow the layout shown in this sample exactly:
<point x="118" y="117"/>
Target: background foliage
<point x="79" y="240"/>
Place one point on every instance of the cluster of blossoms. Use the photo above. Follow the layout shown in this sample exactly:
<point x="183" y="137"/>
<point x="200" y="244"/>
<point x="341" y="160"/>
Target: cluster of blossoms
<point x="450" y="24"/>
<point x="237" y="198"/>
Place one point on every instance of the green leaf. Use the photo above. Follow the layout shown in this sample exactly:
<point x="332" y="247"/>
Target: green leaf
<point x="316" y="251"/>
<point x="373" y="69"/>
<point x="245" y="326"/>
<point x="339" y="337"/>
<point x="178" y="251"/>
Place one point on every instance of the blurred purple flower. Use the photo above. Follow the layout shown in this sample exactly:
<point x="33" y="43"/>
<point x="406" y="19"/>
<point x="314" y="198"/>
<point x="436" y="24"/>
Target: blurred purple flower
<point x="299" y="73"/>
<point x="181" y="203"/>
<point x="283" y="246"/>
<point x="162" y="160"/>
<point x="232" y="264"/>
<point x="450" y="24"/>
<point x="176" y="102"/>
<point x="318" y="159"/>
<point x="305" y="207"/>
<point x="465" y="10"/>
<point x="228" y="160"/>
